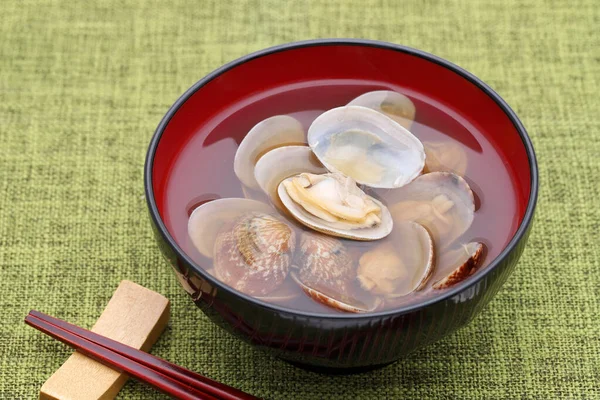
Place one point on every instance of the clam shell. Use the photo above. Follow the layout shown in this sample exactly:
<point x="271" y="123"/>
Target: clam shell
<point x="286" y="292"/>
<point x="255" y="254"/>
<point x="465" y="261"/>
<point x="206" y="221"/>
<point x="399" y="267"/>
<point x="348" y="305"/>
<point x="331" y="228"/>
<point x="326" y="272"/>
<point x="323" y="260"/>
<point x="393" y="104"/>
<point x="440" y="201"/>
<point x="366" y="145"/>
<point x="281" y="163"/>
<point x="445" y="156"/>
<point x="277" y="131"/>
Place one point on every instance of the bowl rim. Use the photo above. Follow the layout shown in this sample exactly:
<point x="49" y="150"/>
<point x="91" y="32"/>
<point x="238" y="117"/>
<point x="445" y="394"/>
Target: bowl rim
<point x="460" y="287"/>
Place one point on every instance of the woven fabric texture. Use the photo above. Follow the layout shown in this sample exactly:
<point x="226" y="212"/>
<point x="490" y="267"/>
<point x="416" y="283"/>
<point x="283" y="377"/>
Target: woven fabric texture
<point x="83" y="85"/>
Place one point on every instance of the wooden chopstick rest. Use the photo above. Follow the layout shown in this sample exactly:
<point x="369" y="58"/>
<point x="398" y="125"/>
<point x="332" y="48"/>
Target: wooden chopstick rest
<point x="135" y="316"/>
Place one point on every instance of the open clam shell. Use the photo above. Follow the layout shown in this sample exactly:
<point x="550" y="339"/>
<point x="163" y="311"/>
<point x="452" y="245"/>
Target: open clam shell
<point x="206" y="221"/>
<point x="337" y="228"/>
<point x="464" y="262"/>
<point x="393" y="104"/>
<point x="440" y="201"/>
<point x="445" y="156"/>
<point x="283" y="162"/>
<point x="277" y="131"/>
<point x="395" y="269"/>
<point x="367" y="146"/>
<point x="254" y="255"/>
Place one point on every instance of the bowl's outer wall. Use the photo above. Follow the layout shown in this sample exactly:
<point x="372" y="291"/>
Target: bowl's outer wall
<point x="339" y="343"/>
<point x="348" y="342"/>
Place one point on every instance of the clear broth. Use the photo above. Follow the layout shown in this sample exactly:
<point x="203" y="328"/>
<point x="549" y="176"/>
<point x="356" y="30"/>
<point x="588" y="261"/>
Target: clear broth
<point x="203" y="171"/>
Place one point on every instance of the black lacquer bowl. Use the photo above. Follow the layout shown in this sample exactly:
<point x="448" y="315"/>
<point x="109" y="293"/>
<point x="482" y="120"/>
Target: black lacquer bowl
<point x="346" y="341"/>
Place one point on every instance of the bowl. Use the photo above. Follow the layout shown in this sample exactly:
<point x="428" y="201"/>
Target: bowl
<point x="340" y="342"/>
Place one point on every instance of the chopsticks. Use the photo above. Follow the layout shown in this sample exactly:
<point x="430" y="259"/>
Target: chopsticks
<point x="169" y="378"/>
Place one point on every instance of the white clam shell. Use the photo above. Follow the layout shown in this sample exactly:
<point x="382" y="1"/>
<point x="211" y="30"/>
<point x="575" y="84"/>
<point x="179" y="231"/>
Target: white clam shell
<point x="440" y="201"/>
<point x="365" y="234"/>
<point x="206" y="220"/>
<point x="283" y="162"/>
<point x="393" y="104"/>
<point x="390" y="155"/>
<point x="273" y="132"/>
<point x="399" y="267"/>
<point x="445" y="156"/>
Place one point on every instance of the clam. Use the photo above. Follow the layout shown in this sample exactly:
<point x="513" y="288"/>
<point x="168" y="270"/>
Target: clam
<point x="281" y="163"/>
<point x="277" y="131"/>
<point x="440" y="201"/>
<point x="445" y="156"/>
<point x="463" y="262"/>
<point x="333" y="204"/>
<point x="367" y="146"/>
<point x="325" y="272"/>
<point x="399" y="268"/>
<point x="208" y="219"/>
<point x="253" y="253"/>
<point x="393" y="104"/>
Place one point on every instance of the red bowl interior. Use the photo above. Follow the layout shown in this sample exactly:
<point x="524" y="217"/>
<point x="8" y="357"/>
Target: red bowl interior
<point x="449" y="87"/>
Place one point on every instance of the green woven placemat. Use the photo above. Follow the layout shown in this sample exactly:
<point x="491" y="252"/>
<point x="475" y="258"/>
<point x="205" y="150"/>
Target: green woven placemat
<point x="83" y="85"/>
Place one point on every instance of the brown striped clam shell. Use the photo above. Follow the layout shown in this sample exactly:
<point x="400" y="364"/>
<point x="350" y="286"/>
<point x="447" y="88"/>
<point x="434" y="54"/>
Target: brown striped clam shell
<point x="326" y="271"/>
<point x="253" y="255"/>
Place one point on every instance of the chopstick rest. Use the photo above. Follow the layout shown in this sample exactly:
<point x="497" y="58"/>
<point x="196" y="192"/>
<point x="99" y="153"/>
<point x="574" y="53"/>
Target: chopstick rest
<point x="135" y="316"/>
<point x="169" y="378"/>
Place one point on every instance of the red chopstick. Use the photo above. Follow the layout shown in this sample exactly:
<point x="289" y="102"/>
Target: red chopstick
<point x="161" y="382"/>
<point x="163" y="375"/>
<point x="198" y="381"/>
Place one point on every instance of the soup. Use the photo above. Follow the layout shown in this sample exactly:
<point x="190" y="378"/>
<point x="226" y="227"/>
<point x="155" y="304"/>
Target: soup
<point x="412" y="230"/>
